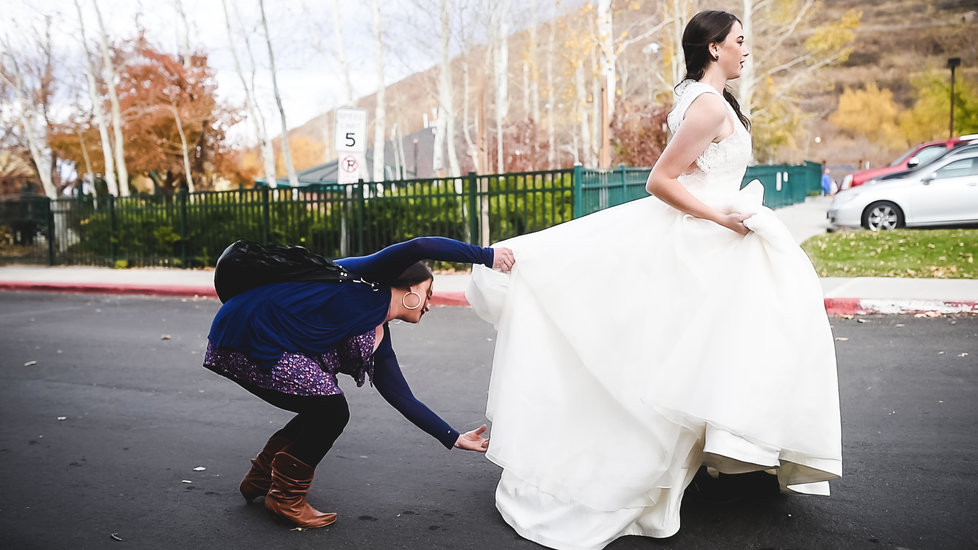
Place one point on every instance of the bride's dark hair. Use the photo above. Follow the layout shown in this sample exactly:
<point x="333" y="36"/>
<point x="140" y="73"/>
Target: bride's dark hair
<point x="705" y="28"/>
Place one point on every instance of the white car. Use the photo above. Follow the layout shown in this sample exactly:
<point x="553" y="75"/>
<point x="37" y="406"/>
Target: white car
<point x="942" y="193"/>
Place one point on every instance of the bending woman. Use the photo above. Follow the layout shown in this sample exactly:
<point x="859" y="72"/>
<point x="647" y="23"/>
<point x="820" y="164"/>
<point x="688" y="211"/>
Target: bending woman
<point x="641" y="342"/>
<point x="286" y="342"/>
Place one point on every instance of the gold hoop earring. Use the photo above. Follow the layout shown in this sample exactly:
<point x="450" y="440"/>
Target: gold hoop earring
<point x="404" y="303"/>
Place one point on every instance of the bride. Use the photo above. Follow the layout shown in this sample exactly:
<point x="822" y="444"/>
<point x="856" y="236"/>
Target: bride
<point x="639" y="343"/>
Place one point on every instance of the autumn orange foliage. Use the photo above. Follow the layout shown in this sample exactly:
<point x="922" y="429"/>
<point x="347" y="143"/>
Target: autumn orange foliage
<point x="155" y="88"/>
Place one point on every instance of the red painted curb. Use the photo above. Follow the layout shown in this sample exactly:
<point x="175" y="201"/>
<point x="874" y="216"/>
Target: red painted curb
<point x="99" y="288"/>
<point x="842" y="306"/>
<point x="833" y="306"/>
<point x="437" y="298"/>
<point x="448" y="299"/>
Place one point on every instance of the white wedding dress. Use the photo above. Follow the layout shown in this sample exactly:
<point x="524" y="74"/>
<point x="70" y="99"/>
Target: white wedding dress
<point x="638" y="343"/>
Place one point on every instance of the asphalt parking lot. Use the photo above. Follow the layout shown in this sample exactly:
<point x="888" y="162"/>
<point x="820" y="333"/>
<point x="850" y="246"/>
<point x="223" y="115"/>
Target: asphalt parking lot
<point x="107" y="418"/>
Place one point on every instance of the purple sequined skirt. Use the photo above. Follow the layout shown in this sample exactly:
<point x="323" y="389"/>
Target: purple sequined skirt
<point x="296" y="373"/>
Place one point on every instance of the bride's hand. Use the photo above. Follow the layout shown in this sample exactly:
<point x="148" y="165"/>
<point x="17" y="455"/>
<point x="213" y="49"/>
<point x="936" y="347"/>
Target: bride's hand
<point x="473" y="440"/>
<point x="735" y="222"/>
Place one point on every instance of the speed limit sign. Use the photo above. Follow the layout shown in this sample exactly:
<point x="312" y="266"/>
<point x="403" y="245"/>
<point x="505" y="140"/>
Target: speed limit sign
<point x="351" y="130"/>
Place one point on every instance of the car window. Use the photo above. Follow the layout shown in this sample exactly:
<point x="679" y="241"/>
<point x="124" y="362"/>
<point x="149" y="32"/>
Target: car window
<point x="902" y="158"/>
<point x="930" y="153"/>
<point x="959" y="168"/>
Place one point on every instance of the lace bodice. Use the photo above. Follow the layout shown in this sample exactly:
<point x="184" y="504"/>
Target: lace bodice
<point x="721" y="167"/>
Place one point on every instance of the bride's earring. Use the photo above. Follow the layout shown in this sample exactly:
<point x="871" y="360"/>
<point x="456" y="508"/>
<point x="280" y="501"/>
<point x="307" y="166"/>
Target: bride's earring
<point x="404" y="300"/>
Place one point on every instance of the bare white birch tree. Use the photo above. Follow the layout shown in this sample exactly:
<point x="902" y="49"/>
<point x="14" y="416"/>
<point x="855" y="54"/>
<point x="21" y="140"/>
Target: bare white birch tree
<point x="827" y="45"/>
<point x="88" y="161"/>
<point x="186" y="51"/>
<point x="446" y="103"/>
<point x="606" y="47"/>
<point x="30" y="116"/>
<point x="187" y="56"/>
<point x="327" y="126"/>
<point x="679" y="16"/>
<point x="551" y="93"/>
<point x="584" y="130"/>
<point x="286" y="155"/>
<point x="534" y="66"/>
<point x="341" y="56"/>
<point x="471" y="145"/>
<point x="109" y="76"/>
<point x="98" y="109"/>
<point x="499" y="48"/>
<point x="258" y="121"/>
<point x="183" y="143"/>
<point x="379" y="109"/>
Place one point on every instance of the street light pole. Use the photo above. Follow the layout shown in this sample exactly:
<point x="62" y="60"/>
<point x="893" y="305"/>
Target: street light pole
<point x="951" y="64"/>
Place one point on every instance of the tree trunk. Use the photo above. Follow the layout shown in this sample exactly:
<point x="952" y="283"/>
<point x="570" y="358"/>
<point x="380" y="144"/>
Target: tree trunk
<point x="35" y="130"/>
<point x="498" y="34"/>
<point x="289" y="167"/>
<point x="185" y="51"/>
<point x="379" y="110"/>
<point x="186" y="151"/>
<point x="606" y="44"/>
<point x="534" y="66"/>
<point x="264" y="144"/>
<point x="551" y="98"/>
<point x="98" y="110"/>
<point x="471" y="149"/>
<point x="584" y="137"/>
<point x="341" y="53"/>
<point x="88" y="162"/>
<point x="109" y="77"/>
<point x="747" y="81"/>
<point x="446" y="100"/>
<point x="679" y="18"/>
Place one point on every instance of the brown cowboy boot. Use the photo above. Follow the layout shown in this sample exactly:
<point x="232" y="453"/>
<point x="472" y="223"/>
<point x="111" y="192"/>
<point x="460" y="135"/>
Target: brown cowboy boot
<point x="287" y="497"/>
<point x="258" y="480"/>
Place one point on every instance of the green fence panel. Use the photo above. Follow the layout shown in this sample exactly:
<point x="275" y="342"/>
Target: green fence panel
<point x="192" y="229"/>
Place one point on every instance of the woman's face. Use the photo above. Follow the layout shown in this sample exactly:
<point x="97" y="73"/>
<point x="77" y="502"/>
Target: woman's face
<point x="422" y="289"/>
<point x="732" y="52"/>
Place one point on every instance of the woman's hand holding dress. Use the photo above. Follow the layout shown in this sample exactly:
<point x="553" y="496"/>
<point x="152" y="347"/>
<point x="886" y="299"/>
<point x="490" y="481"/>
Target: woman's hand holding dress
<point x="502" y="259"/>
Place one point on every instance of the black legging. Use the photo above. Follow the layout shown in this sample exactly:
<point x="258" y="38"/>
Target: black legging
<point x="320" y="420"/>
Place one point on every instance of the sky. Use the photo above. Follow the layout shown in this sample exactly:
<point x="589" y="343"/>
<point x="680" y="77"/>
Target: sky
<point x="310" y="82"/>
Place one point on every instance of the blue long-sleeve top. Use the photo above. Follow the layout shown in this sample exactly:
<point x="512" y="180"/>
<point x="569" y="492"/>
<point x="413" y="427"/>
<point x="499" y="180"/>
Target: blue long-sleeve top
<point x="311" y="318"/>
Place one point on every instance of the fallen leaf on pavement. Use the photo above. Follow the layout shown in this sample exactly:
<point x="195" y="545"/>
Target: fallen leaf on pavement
<point x="165" y="337"/>
<point x="30" y="363"/>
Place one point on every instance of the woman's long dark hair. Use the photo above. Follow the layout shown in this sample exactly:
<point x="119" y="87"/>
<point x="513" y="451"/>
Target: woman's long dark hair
<point x="415" y="273"/>
<point x="705" y="28"/>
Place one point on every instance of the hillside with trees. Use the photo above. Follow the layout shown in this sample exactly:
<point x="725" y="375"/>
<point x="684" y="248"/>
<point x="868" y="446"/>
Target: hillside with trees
<point x="838" y="81"/>
<point x="514" y="86"/>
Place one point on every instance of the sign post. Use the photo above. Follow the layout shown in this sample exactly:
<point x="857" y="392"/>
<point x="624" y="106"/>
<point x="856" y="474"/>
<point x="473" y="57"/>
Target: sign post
<point x="351" y="144"/>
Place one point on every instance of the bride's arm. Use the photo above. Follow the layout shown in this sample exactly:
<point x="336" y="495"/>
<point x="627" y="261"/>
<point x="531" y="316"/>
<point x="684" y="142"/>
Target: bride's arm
<point x="704" y="120"/>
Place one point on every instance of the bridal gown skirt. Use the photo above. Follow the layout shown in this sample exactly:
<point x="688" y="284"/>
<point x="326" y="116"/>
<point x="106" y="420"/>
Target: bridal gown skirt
<point x="637" y="344"/>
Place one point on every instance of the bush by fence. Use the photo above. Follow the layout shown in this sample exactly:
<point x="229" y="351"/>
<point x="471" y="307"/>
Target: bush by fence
<point x="192" y="229"/>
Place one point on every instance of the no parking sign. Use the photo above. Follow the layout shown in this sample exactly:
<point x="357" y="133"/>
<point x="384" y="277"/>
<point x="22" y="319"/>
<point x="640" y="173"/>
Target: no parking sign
<point x="350" y="140"/>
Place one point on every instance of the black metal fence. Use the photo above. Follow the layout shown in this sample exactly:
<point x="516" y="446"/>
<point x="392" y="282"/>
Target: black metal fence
<point x="192" y="229"/>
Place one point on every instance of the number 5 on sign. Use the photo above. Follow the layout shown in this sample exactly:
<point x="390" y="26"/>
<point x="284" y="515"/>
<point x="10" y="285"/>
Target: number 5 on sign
<point x="351" y="130"/>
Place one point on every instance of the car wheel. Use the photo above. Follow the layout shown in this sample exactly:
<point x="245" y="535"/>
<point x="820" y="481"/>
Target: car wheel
<point x="882" y="215"/>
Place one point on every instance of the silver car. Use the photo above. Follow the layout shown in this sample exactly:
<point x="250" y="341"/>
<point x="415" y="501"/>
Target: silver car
<point x="942" y="193"/>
